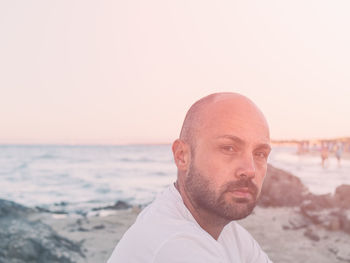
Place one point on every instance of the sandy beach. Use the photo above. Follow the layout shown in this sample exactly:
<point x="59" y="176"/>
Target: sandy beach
<point x="291" y="223"/>
<point x="271" y="227"/>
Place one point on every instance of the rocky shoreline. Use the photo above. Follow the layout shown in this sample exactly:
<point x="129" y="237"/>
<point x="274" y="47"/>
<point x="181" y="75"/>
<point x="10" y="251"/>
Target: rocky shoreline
<point x="25" y="239"/>
<point x="287" y="215"/>
<point x="282" y="189"/>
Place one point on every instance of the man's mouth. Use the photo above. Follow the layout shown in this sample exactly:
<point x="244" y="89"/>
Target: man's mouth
<point x="243" y="192"/>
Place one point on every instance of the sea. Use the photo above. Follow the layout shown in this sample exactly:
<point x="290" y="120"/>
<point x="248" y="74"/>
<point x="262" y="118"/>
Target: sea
<point x="80" y="179"/>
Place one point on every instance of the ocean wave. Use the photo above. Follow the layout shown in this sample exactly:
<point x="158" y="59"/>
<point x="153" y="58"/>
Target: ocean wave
<point x="40" y="175"/>
<point x="47" y="156"/>
<point x="21" y="166"/>
<point x="139" y="160"/>
<point x="159" y="173"/>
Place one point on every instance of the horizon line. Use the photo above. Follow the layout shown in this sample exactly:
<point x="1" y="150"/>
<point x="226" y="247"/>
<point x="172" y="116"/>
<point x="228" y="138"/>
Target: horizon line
<point x="291" y="140"/>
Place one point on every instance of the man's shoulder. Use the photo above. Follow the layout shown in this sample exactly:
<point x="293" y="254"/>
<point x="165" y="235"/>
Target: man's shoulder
<point x="249" y="250"/>
<point x="159" y="224"/>
<point x="163" y="221"/>
<point x="150" y="239"/>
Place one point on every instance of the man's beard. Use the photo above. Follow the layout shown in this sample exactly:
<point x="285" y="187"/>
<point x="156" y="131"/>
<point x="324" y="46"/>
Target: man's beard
<point x="205" y="198"/>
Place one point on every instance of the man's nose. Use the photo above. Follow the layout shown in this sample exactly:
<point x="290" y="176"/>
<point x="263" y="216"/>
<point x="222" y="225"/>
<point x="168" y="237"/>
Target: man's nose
<point x="246" y="167"/>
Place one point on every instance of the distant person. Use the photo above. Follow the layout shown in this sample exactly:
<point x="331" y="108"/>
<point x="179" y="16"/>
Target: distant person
<point x="339" y="152"/>
<point x="300" y="148"/>
<point x="324" y="154"/>
<point x="221" y="158"/>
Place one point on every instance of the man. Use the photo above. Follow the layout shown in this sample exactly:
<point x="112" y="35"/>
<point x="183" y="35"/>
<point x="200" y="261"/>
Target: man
<point x="221" y="158"/>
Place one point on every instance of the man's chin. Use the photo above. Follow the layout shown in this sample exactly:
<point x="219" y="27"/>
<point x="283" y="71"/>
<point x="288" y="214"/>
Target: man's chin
<point x="241" y="209"/>
<point x="243" y="201"/>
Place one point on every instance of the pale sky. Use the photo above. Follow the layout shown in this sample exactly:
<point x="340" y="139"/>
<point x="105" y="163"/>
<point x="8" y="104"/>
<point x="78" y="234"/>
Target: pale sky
<point x="127" y="71"/>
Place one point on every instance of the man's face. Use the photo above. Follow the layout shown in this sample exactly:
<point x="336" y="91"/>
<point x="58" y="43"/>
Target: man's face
<point x="229" y="161"/>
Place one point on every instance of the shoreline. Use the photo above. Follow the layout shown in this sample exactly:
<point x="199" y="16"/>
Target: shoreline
<point x="97" y="235"/>
<point x="270" y="226"/>
<point x="289" y="223"/>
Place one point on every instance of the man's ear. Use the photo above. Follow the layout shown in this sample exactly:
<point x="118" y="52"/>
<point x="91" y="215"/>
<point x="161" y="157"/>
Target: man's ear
<point x="182" y="154"/>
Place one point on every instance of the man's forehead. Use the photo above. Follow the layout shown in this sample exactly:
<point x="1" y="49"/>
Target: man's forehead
<point x="248" y="126"/>
<point x="231" y="118"/>
<point x="226" y="113"/>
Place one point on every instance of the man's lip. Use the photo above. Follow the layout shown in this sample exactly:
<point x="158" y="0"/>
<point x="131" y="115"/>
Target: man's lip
<point x="242" y="189"/>
<point x="242" y="192"/>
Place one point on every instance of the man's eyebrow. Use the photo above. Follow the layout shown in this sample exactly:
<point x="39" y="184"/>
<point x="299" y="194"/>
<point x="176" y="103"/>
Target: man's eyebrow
<point x="232" y="138"/>
<point x="240" y="141"/>
<point x="264" y="146"/>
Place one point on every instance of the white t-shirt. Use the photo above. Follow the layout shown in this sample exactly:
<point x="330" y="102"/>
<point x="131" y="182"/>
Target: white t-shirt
<point x="166" y="232"/>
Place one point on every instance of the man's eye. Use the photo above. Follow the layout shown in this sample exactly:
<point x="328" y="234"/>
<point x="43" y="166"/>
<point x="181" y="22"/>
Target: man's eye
<point x="261" y="155"/>
<point x="228" y="148"/>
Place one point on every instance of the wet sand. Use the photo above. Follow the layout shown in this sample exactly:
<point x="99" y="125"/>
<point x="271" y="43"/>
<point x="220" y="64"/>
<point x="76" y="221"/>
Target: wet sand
<point x="271" y="227"/>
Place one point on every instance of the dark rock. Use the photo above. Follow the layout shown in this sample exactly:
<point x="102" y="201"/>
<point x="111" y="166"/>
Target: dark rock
<point x="311" y="214"/>
<point x="329" y="218"/>
<point x="333" y="250"/>
<point x="318" y="202"/>
<point x="342" y="196"/>
<point x="311" y="234"/>
<point x="297" y="221"/>
<point x="120" y="205"/>
<point x="45" y="210"/>
<point x="9" y="208"/>
<point x="80" y="221"/>
<point x="61" y="204"/>
<point x="343" y="255"/>
<point x="117" y="206"/>
<point x="281" y="188"/>
<point x="333" y="224"/>
<point x="99" y="227"/>
<point x="327" y="210"/>
<point x="344" y="219"/>
<point x="23" y="240"/>
<point x="42" y="209"/>
<point x="82" y="229"/>
<point x="285" y="227"/>
<point x="82" y="213"/>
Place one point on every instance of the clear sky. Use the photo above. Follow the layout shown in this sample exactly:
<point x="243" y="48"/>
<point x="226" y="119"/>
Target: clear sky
<point x="127" y="71"/>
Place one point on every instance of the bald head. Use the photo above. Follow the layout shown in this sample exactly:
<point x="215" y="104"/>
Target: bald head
<point x="208" y="107"/>
<point x="223" y="147"/>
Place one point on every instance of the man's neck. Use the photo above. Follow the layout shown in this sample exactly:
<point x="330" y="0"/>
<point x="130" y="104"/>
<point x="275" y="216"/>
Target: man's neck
<point x="209" y="222"/>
